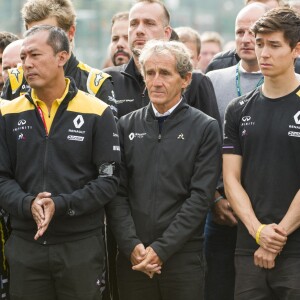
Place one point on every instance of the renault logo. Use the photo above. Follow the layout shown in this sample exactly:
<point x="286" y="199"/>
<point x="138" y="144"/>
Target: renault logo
<point x="297" y="118"/>
<point x="78" y="121"/>
<point x="131" y="136"/>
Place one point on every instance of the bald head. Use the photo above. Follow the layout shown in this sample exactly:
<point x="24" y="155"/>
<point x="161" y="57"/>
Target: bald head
<point x="245" y="41"/>
<point x="252" y="11"/>
<point x="11" y="57"/>
<point x="269" y="3"/>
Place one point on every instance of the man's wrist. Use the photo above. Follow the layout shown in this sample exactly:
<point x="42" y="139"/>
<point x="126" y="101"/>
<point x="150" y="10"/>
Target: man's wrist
<point x="218" y="199"/>
<point x="257" y="234"/>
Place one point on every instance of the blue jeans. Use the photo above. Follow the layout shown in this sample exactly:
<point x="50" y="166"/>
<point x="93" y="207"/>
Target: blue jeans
<point x="220" y="243"/>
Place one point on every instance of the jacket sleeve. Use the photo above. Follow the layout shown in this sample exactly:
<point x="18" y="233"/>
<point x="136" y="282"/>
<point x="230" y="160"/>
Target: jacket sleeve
<point x="106" y="93"/>
<point x="118" y="211"/>
<point x="202" y="187"/>
<point x="12" y="198"/>
<point x="201" y="95"/>
<point x="106" y="157"/>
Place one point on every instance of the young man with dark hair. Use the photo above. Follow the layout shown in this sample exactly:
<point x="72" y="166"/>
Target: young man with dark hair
<point x="261" y="166"/>
<point x="221" y="224"/>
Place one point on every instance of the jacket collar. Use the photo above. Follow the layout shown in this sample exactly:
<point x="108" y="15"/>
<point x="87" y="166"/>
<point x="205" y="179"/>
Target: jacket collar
<point x="69" y="96"/>
<point x="183" y="106"/>
<point x="131" y="68"/>
<point x="71" y="65"/>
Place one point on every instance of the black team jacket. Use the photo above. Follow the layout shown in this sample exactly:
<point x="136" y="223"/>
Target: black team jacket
<point x="167" y="180"/>
<point x="77" y="163"/>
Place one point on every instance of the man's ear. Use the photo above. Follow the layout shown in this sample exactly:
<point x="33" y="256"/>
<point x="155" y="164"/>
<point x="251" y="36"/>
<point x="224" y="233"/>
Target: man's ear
<point x="187" y="80"/>
<point x="62" y="57"/>
<point x="168" y="31"/>
<point x="71" y="33"/>
<point x="297" y="50"/>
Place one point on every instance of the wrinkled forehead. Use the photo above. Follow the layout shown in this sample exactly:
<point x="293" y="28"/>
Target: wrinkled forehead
<point x="160" y="59"/>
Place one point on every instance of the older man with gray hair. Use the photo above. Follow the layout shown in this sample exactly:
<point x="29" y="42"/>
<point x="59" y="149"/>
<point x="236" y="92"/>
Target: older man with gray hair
<point x="158" y="216"/>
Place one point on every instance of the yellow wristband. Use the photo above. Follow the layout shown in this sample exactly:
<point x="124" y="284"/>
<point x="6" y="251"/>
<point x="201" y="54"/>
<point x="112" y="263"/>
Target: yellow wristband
<point x="257" y="235"/>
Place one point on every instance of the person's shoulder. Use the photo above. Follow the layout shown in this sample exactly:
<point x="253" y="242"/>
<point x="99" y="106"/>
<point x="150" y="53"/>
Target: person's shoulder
<point x="223" y="60"/>
<point x="241" y="102"/>
<point x="3" y="102"/>
<point x="199" y="116"/>
<point x="95" y="77"/>
<point x="84" y="102"/>
<point x="17" y="105"/>
<point x="220" y="72"/>
<point x="225" y="54"/>
<point x="115" y="69"/>
<point x="138" y="114"/>
<point x="197" y="77"/>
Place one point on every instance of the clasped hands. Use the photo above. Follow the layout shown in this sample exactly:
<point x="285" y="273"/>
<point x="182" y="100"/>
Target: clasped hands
<point x="145" y="260"/>
<point x="42" y="209"/>
<point x="272" y="239"/>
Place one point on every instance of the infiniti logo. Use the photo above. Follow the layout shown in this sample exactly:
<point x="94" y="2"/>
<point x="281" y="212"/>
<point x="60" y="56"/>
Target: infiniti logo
<point x="246" y="118"/>
<point x="21" y="122"/>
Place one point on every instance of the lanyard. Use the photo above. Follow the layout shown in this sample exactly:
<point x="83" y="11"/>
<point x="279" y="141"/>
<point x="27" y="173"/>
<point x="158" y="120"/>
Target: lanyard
<point x="238" y="81"/>
<point x="43" y="118"/>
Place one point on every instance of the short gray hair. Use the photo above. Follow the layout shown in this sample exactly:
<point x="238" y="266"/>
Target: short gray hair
<point x="177" y="49"/>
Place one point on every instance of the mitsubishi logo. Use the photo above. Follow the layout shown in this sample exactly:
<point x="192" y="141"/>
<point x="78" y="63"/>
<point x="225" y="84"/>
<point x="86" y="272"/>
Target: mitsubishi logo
<point x="297" y="118"/>
<point x="78" y="121"/>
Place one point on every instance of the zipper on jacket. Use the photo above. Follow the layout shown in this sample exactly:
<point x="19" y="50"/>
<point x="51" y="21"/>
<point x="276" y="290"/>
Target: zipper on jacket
<point x="155" y="182"/>
<point x="45" y="164"/>
<point x="46" y="147"/>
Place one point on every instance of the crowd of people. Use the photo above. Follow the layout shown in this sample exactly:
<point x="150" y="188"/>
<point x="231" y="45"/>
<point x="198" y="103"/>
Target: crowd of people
<point x="170" y="174"/>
